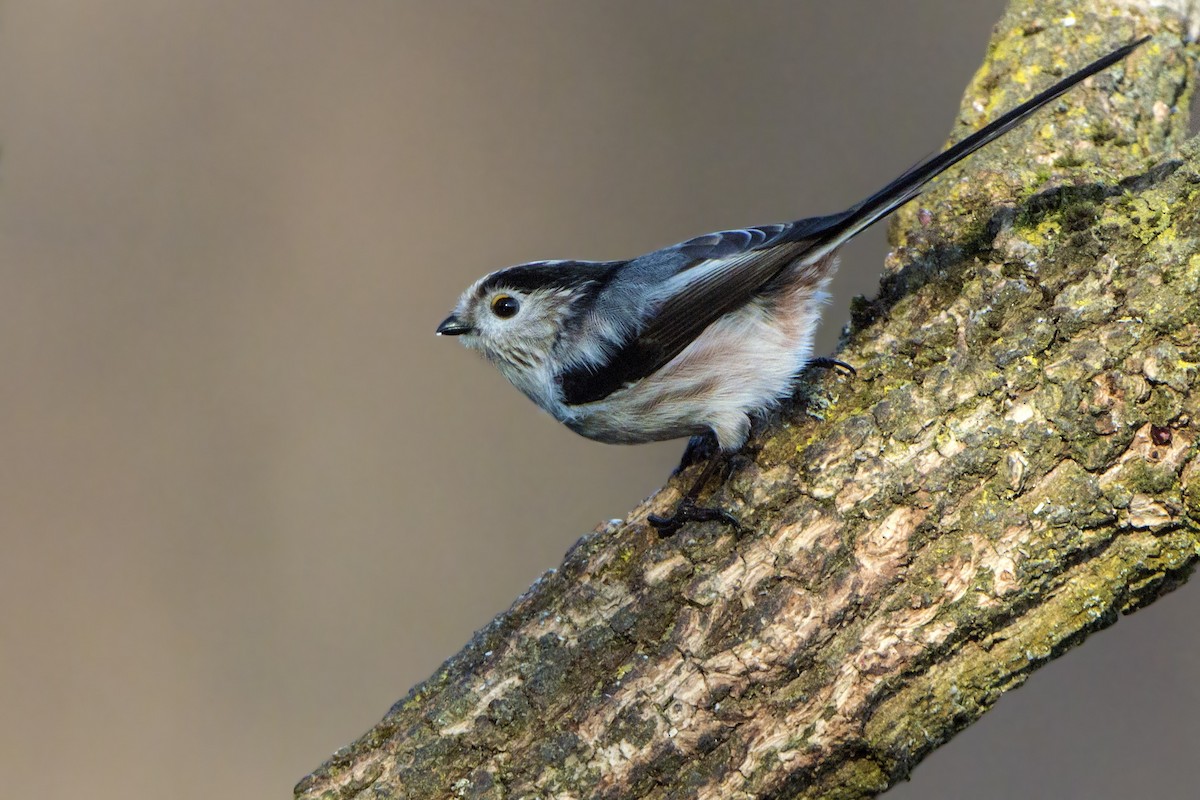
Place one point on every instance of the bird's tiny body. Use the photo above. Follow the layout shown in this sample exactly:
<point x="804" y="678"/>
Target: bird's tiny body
<point x="762" y="346"/>
<point x="694" y="338"/>
<point x="575" y="357"/>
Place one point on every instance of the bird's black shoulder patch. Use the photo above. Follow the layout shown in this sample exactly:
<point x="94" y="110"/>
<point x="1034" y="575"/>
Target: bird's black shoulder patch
<point x="588" y="384"/>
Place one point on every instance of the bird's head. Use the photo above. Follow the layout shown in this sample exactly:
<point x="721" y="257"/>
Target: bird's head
<point x="516" y="316"/>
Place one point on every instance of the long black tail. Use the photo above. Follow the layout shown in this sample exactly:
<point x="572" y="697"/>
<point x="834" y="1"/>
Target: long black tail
<point x="910" y="184"/>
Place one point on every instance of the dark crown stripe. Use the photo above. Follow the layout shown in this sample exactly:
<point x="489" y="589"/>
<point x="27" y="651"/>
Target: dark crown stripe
<point x="550" y="275"/>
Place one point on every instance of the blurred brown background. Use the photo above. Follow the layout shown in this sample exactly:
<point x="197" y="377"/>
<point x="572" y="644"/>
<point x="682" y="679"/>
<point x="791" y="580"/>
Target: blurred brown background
<point x="248" y="499"/>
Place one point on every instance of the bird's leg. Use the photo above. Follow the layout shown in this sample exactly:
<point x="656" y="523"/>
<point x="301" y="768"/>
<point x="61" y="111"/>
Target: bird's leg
<point x="833" y="363"/>
<point x="705" y="447"/>
<point x="702" y="447"/>
<point x="687" y="510"/>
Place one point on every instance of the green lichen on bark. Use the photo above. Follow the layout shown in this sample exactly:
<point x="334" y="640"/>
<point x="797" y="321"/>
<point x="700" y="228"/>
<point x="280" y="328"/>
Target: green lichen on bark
<point x="1016" y="466"/>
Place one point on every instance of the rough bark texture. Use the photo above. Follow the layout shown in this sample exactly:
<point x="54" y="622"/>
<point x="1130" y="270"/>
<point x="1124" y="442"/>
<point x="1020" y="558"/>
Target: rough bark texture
<point x="1015" y="466"/>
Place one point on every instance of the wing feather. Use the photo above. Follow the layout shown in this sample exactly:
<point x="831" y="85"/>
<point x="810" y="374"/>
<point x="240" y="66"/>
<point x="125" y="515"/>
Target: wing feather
<point x="713" y="288"/>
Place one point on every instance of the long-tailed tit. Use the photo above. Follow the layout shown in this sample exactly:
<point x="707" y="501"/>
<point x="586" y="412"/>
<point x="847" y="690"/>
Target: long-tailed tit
<point x="694" y="338"/>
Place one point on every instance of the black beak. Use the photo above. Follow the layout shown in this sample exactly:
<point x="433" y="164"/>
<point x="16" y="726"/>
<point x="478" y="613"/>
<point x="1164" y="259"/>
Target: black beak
<point x="452" y="327"/>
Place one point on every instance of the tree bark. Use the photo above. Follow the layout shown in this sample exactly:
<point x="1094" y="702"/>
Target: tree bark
<point x="1015" y="465"/>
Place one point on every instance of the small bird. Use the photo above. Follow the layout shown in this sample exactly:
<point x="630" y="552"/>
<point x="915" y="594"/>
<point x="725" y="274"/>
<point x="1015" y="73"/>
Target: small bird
<point x="693" y="339"/>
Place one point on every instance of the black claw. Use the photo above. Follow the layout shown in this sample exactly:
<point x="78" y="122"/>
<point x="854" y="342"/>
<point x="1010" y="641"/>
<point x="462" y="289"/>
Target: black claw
<point x="833" y="363"/>
<point x="666" y="526"/>
<point x="688" y="511"/>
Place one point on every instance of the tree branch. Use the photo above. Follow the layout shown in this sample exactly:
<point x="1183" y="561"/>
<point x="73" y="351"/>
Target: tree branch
<point x="1015" y="466"/>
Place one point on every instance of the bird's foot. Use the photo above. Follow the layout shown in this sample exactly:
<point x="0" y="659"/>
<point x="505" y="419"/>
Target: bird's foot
<point x="687" y="511"/>
<point x="833" y="363"/>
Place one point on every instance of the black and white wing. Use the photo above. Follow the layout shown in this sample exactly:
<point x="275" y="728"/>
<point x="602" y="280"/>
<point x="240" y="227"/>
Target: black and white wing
<point x="676" y="293"/>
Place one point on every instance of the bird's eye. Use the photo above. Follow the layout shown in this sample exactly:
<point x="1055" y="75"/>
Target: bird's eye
<point x="505" y="305"/>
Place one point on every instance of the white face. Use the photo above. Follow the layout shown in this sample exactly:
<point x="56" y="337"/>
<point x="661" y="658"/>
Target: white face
<point x="498" y="319"/>
<point x="515" y="330"/>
